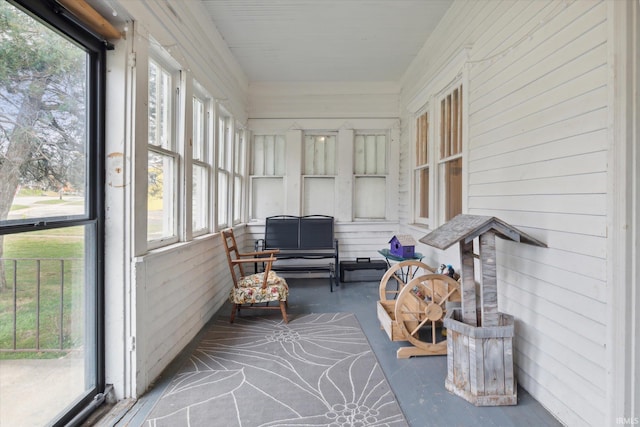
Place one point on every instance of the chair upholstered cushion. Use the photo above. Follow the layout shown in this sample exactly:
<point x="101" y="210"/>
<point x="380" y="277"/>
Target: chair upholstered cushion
<point x="250" y="290"/>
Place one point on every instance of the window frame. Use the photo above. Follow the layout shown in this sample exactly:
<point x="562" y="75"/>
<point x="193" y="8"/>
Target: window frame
<point x="450" y="148"/>
<point x="314" y="179"/>
<point x="272" y="165"/>
<point x="66" y="25"/>
<point x="238" y="174"/>
<point x="374" y="175"/>
<point x="452" y="75"/>
<point x="224" y="168"/>
<point x="170" y="152"/>
<point x="424" y="150"/>
<point x="204" y="159"/>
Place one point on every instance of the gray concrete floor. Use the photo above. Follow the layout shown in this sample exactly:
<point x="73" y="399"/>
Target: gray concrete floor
<point x="418" y="382"/>
<point x="34" y="391"/>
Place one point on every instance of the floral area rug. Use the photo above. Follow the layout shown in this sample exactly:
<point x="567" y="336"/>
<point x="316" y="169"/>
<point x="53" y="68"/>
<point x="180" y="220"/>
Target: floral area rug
<point x="317" y="370"/>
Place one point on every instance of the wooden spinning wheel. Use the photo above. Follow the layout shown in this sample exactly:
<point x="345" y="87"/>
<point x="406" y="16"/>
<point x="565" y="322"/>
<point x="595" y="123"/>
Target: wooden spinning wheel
<point x="422" y="303"/>
<point x="398" y="275"/>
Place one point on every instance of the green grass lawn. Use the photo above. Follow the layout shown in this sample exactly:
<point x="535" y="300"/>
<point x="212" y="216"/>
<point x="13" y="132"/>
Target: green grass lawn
<point x="49" y="247"/>
<point x="51" y="202"/>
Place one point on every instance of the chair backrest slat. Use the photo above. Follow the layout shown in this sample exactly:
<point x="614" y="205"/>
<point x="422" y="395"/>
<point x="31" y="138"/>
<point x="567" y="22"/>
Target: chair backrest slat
<point x="231" y="249"/>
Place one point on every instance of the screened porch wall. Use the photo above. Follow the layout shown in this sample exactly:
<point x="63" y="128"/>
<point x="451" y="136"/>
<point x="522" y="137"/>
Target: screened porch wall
<point x="157" y="301"/>
<point x="536" y="157"/>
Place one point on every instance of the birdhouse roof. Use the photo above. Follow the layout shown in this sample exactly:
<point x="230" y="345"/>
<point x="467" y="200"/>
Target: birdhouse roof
<point x="468" y="227"/>
<point x="404" y="239"/>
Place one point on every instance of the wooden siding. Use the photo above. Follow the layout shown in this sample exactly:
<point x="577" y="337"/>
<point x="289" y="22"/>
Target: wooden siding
<point x="177" y="292"/>
<point x="330" y="100"/>
<point x="536" y="157"/>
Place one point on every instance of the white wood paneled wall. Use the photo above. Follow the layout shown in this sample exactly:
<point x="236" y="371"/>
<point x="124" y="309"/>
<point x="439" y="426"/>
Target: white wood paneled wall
<point x="536" y="157"/>
<point x="178" y="291"/>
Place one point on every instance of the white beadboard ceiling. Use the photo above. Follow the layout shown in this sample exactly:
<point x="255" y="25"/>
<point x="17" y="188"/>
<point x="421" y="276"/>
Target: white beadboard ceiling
<point x="325" y="40"/>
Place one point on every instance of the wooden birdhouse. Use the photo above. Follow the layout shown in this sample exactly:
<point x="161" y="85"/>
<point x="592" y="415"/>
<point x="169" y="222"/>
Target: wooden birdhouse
<point x="480" y="342"/>
<point x="402" y="245"/>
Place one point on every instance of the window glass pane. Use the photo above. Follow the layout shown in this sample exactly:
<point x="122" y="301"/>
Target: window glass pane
<point x="451" y="172"/>
<point x="320" y="155"/>
<point x="159" y="106"/>
<point x="160" y="197"/>
<point x="223" y="143"/>
<point x="422" y="192"/>
<point x="42" y="121"/>
<point x="267" y="155"/>
<point x="200" y="201"/>
<point x="370" y="155"/>
<point x="223" y="197"/>
<point x="238" y="153"/>
<point x="43" y="323"/>
<point x="422" y="139"/>
<point x="267" y="197"/>
<point x="370" y="197"/>
<point x="237" y="199"/>
<point x="198" y="129"/>
<point x="421" y="173"/>
<point x="451" y="124"/>
<point x="319" y="196"/>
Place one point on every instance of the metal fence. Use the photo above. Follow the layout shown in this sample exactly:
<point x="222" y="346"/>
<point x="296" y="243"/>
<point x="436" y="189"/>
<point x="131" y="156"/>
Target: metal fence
<point x="36" y="297"/>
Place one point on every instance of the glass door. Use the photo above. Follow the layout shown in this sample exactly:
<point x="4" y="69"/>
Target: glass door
<point x="50" y="222"/>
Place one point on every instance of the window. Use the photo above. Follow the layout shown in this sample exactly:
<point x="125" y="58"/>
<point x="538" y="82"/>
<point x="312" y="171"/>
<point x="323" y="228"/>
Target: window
<point x="450" y="160"/>
<point x="421" y="172"/>
<point x="225" y="149"/>
<point x="370" y="169"/>
<point x="238" y="173"/>
<point x="267" y="172"/>
<point x="162" y="158"/>
<point x="201" y="164"/>
<point x="445" y="171"/>
<point x="51" y="214"/>
<point x="319" y="174"/>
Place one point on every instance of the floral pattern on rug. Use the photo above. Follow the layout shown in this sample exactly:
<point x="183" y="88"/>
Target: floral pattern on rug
<point x="317" y="370"/>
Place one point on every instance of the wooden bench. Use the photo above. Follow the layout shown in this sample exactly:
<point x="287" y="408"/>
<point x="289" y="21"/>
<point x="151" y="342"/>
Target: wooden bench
<point x="308" y="237"/>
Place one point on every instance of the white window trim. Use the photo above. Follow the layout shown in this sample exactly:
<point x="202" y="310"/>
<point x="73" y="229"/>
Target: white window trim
<point x="239" y="134"/>
<point x="250" y="169"/>
<point x="454" y="72"/>
<point x="160" y="58"/>
<point x="388" y="208"/>
<point x="207" y="161"/>
<point x="416" y="218"/>
<point x="227" y="170"/>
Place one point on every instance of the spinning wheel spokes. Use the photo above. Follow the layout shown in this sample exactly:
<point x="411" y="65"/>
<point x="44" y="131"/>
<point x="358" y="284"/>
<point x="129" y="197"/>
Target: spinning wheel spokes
<point x="401" y="273"/>
<point x="422" y="302"/>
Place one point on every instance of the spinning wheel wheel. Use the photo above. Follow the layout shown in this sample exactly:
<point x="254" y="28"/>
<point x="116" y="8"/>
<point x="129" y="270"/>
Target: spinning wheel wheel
<point x="422" y="303"/>
<point x="400" y="273"/>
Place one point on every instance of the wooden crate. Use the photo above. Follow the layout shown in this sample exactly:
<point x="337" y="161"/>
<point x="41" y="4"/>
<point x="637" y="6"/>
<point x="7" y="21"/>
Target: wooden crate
<point x="480" y="361"/>
<point x="386" y="316"/>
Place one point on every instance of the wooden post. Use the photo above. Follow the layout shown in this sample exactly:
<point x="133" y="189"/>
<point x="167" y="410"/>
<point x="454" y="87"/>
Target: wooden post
<point x="93" y="19"/>
<point x="489" y="286"/>
<point x="468" y="284"/>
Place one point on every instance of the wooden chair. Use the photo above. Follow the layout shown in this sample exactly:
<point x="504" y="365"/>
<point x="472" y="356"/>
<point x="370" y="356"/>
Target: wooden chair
<point x="258" y="288"/>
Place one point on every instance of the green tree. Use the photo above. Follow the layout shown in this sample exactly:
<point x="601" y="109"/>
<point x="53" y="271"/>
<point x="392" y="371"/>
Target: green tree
<point x="42" y="102"/>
